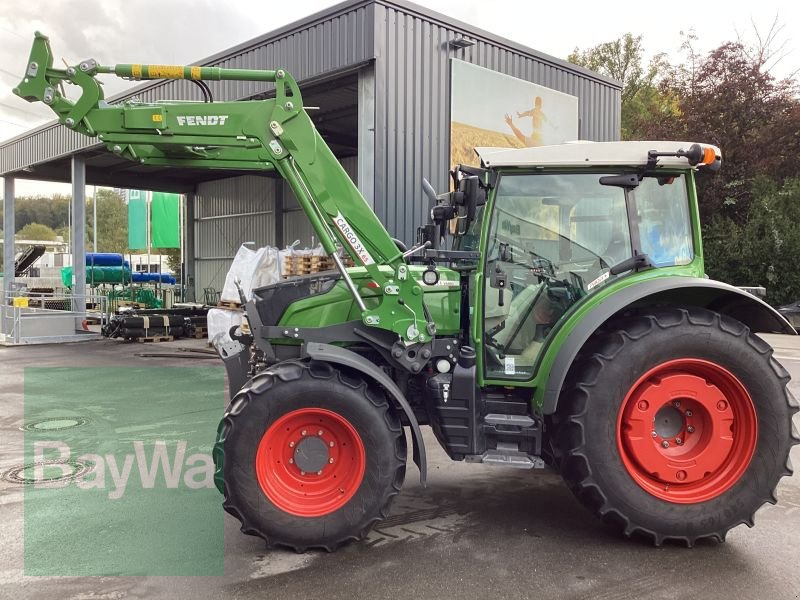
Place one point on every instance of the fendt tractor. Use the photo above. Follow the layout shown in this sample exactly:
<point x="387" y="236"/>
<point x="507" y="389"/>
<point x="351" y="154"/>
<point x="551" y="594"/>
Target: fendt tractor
<point x="553" y="313"/>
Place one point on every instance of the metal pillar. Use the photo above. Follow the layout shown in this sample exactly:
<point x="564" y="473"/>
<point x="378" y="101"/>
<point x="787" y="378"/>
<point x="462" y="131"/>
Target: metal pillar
<point x="278" y="211"/>
<point x="79" y="230"/>
<point x="366" y="134"/>
<point x="8" y="234"/>
<point x="189" y="248"/>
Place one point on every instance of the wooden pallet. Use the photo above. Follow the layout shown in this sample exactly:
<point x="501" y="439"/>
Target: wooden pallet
<point x="308" y="265"/>
<point x="154" y="339"/>
<point x="200" y="333"/>
<point x="228" y="304"/>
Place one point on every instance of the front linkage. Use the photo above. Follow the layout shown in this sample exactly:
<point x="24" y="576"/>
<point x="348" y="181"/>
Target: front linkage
<point x="275" y="134"/>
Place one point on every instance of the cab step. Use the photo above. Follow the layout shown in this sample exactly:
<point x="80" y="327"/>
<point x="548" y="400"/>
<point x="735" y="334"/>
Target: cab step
<point x="507" y="456"/>
<point x="521" y="421"/>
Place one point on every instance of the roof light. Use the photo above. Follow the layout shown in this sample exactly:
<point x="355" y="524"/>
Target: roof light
<point x="709" y="156"/>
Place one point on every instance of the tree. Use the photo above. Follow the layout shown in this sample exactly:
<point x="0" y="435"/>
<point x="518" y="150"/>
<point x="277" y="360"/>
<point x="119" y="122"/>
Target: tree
<point x="623" y="60"/>
<point x="51" y="211"/>
<point x="112" y="222"/>
<point x="36" y="231"/>
<point x="173" y="259"/>
<point x="764" y="249"/>
<point x="729" y="98"/>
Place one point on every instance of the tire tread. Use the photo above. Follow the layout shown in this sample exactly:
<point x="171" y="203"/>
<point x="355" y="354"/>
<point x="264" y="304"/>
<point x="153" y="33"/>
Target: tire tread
<point x="288" y="371"/>
<point x="574" y="403"/>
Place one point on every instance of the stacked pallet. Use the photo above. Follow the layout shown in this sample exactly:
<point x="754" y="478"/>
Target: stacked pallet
<point x="229" y="305"/>
<point x="309" y="264"/>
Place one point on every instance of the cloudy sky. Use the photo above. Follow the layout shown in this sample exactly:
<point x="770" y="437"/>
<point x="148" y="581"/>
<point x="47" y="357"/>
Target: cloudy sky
<point x="185" y="31"/>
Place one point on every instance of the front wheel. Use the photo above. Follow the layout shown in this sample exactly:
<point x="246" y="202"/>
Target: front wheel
<point x="308" y="456"/>
<point x="677" y="425"/>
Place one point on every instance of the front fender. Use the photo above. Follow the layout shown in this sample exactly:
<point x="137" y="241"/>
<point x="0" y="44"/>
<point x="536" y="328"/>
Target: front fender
<point x="342" y="356"/>
<point x="720" y="297"/>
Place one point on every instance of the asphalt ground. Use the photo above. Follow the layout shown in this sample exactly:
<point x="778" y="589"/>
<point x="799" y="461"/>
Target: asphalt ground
<point x="474" y="532"/>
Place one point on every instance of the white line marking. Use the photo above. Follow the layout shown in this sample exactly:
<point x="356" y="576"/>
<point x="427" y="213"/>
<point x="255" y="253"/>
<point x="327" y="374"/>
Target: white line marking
<point x="795" y="358"/>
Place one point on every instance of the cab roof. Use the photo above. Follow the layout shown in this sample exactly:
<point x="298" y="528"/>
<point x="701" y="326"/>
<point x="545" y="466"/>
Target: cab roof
<point x="587" y="154"/>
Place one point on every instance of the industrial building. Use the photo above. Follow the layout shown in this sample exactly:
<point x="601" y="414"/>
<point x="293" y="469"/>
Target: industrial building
<point x="380" y="73"/>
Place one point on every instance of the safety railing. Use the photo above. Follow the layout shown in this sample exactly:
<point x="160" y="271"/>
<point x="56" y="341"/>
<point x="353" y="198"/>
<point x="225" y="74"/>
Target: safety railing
<point x="49" y="318"/>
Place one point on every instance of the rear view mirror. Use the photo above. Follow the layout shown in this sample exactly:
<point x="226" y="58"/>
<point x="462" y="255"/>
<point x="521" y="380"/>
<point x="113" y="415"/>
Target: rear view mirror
<point x="471" y="189"/>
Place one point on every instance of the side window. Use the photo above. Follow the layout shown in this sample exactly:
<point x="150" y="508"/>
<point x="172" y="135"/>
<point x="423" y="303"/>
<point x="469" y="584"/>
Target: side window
<point x="551" y="235"/>
<point x="601" y="225"/>
<point x="664" y="226"/>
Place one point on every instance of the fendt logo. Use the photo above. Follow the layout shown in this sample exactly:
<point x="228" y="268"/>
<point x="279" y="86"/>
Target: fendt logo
<point x="194" y="120"/>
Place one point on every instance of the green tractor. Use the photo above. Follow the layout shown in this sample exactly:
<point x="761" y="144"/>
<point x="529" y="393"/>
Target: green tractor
<point x="553" y="313"/>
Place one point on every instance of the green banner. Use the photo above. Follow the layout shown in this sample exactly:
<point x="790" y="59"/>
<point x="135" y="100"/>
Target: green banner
<point x="137" y="222"/>
<point x="165" y="220"/>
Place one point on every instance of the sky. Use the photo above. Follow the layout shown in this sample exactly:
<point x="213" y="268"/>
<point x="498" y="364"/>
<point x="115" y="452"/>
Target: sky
<point x="186" y="31"/>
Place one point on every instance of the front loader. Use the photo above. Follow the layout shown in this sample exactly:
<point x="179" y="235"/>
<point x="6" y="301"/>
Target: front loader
<point x="554" y="313"/>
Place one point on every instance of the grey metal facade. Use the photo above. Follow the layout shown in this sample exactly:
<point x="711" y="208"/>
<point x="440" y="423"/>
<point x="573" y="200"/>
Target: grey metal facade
<point x="381" y="65"/>
<point x="230" y="212"/>
<point x="412" y="128"/>
<point x="222" y="225"/>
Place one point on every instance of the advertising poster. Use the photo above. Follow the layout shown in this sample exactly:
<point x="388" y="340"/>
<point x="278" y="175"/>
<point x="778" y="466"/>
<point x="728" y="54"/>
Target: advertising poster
<point x="488" y="108"/>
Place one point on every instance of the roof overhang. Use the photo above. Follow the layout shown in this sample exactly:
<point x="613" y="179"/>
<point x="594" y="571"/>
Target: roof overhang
<point x="336" y="120"/>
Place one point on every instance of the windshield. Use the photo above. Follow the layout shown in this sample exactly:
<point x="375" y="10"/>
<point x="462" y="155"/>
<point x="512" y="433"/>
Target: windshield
<point x="553" y="239"/>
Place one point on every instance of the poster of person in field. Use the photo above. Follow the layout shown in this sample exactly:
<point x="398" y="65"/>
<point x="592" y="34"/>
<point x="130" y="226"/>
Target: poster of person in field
<point x="488" y="108"/>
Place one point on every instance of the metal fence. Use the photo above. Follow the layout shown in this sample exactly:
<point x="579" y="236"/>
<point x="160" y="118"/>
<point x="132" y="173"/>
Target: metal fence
<point x="49" y="318"/>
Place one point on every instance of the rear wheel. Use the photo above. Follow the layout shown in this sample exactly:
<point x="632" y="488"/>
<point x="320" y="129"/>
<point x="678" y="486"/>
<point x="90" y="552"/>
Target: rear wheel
<point x="676" y="425"/>
<point x="309" y="457"/>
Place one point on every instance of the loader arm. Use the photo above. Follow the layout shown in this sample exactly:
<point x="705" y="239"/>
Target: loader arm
<point x="260" y="135"/>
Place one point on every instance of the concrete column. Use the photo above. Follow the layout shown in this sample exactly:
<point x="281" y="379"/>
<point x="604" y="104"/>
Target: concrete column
<point x="79" y="229"/>
<point x="366" y="134"/>
<point x="8" y="234"/>
<point x="189" y="248"/>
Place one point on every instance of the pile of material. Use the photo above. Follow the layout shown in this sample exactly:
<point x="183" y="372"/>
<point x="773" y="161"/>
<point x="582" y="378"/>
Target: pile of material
<point x="161" y="325"/>
<point x="153" y="278"/>
<point x="141" y="327"/>
<point x="308" y="264"/>
<point x="101" y="274"/>
<point x="101" y="267"/>
<point x="295" y="261"/>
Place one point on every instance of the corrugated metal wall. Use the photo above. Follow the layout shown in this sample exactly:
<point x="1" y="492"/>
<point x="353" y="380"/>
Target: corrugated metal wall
<point x="229" y="212"/>
<point x="295" y="222"/>
<point x="333" y="40"/>
<point x="412" y="105"/>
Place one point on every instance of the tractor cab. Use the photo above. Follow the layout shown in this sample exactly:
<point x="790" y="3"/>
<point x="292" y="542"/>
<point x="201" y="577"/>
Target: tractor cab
<point x="563" y="222"/>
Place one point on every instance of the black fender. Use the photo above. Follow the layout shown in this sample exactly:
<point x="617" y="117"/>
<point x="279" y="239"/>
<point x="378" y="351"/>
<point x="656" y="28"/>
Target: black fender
<point x="720" y="297"/>
<point x="348" y="358"/>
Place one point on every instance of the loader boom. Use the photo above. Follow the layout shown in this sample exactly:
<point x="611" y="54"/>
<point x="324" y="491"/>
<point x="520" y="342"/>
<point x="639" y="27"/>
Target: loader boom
<point x="260" y="135"/>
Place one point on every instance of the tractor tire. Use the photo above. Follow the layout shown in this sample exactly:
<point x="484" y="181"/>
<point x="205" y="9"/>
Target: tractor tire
<point x="308" y="456"/>
<point x="676" y="425"/>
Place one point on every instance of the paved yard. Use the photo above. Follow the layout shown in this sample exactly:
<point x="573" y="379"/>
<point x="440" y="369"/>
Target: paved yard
<point x="475" y="532"/>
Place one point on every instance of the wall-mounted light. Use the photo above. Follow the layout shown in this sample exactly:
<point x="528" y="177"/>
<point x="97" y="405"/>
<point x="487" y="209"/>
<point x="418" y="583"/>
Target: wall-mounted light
<point x="461" y="42"/>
